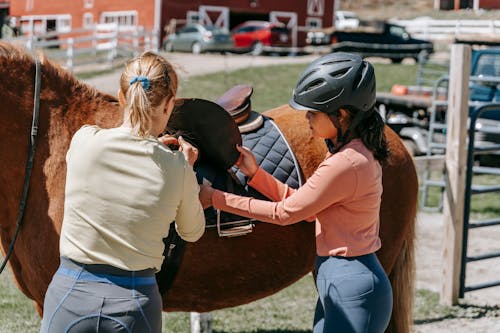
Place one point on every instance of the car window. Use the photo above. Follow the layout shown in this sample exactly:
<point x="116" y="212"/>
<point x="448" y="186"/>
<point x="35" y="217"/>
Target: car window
<point x="398" y="31"/>
<point x="190" y="30"/>
<point x="215" y="29"/>
<point x="245" y="29"/>
<point x="488" y="65"/>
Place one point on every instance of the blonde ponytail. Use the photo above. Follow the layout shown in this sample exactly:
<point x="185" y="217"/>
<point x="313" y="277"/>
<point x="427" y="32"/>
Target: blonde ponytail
<point x="147" y="81"/>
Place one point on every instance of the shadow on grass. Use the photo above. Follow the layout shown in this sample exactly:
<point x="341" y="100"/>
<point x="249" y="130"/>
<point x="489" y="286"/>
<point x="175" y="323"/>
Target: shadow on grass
<point x="463" y="311"/>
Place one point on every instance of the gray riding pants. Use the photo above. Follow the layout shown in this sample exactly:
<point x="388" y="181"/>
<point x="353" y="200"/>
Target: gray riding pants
<point x="355" y="295"/>
<point x="101" y="298"/>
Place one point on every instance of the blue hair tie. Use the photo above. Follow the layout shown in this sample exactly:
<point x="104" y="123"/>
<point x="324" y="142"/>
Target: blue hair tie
<point x="143" y="80"/>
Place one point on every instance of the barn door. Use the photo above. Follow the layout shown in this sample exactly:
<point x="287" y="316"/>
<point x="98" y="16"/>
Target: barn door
<point x="289" y="19"/>
<point x="214" y="15"/>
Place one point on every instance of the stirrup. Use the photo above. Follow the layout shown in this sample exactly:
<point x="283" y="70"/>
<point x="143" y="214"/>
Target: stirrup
<point x="237" y="228"/>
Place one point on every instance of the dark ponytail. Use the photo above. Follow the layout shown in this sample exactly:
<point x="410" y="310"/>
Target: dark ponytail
<point x="371" y="131"/>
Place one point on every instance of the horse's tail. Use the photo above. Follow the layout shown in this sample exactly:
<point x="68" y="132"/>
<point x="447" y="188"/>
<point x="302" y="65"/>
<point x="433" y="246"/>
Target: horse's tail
<point x="402" y="280"/>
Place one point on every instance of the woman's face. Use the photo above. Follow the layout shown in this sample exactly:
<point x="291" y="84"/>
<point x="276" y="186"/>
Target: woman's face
<point x="321" y="125"/>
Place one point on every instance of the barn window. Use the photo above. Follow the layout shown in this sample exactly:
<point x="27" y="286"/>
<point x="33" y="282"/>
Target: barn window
<point x="88" y="20"/>
<point x="88" y="4"/>
<point x="122" y="18"/>
<point x="313" y="22"/>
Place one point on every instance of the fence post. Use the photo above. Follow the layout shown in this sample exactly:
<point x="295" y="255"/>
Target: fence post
<point x="70" y="54"/>
<point x="455" y="164"/>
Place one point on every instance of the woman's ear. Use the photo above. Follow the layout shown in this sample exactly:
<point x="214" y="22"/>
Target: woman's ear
<point x="169" y="106"/>
<point x="121" y="98"/>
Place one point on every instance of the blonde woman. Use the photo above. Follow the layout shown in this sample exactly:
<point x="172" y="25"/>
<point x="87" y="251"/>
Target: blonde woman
<point x="123" y="189"/>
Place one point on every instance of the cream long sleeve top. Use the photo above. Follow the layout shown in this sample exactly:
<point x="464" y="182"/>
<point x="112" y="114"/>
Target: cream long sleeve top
<point x="122" y="192"/>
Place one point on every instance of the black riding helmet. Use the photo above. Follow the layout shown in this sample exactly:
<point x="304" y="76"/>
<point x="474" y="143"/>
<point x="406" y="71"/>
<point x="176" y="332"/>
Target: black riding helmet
<point x="336" y="80"/>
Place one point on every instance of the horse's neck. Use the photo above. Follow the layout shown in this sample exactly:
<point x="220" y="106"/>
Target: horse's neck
<point x="65" y="105"/>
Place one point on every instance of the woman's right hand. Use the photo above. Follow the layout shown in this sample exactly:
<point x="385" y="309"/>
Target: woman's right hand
<point x="190" y="152"/>
<point x="246" y="162"/>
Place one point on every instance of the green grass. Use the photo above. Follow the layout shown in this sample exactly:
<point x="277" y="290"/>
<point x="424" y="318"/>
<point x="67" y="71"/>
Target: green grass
<point x="290" y="310"/>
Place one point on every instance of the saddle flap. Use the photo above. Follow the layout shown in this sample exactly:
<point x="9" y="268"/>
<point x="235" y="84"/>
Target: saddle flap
<point x="236" y="99"/>
<point x="209" y="127"/>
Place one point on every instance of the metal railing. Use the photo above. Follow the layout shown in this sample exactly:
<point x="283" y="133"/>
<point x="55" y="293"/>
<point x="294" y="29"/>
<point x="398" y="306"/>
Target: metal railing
<point x="101" y="44"/>
<point x="470" y="189"/>
<point x="445" y="29"/>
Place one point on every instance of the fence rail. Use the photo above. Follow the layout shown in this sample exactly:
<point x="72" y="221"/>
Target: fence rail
<point x="446" y="29"/>
<point x="101" y="44"/>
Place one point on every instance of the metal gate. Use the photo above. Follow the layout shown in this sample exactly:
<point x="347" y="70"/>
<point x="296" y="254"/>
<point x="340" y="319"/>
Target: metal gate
<point x="471" y="189"/>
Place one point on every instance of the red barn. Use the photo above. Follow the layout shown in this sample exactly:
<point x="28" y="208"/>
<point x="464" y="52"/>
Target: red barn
<point x="65" y="15"/>
<point x="298" y="15"/>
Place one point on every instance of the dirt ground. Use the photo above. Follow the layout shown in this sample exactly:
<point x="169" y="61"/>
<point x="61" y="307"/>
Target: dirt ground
<point x="482" y="313"/>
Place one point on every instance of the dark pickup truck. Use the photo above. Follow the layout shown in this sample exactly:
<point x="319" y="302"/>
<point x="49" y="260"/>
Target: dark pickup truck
<point x="378" y="39"/>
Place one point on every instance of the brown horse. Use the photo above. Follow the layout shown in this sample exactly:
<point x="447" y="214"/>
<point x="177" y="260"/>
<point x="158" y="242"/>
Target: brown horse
<point x="215" y="272"/>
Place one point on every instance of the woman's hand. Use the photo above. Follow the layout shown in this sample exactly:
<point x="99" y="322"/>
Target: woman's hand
<point x="246" y="162"/>
<point x="206" y="195"/>
<point x="168" y="140"/>
<point x="190" y="152"/>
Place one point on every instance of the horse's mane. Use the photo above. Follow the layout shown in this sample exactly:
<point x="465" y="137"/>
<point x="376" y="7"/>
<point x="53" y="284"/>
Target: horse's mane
<point x="14" y="56"/>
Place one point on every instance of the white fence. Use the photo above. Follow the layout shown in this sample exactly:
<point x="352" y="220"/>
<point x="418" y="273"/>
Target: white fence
<point x="448" y="29"/>
<point x="101" y="44"/>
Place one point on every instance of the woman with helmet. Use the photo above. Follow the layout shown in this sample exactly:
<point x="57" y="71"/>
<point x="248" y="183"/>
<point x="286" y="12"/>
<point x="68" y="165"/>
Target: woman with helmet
<point x="343" y="195"/>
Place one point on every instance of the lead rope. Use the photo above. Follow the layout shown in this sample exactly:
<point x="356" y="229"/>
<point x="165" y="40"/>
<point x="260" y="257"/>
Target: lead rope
<point x="29" y="162"/>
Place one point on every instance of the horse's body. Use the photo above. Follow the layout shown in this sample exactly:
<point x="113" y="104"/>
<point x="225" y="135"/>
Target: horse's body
<point x="215" y="273"/>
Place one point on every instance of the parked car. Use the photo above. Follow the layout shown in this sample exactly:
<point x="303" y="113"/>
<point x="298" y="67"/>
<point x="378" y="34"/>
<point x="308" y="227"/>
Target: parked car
<point x="346" y="20"/>
<point x="258" y="37"/>
<point x="197" y="38"/>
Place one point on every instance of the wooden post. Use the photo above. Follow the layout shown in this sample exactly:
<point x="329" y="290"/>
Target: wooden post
<point x="201" y="322"/>
<point x="456" y="164"/>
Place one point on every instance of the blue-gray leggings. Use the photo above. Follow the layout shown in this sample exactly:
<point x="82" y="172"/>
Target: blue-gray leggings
<point x="355" y="295"/>
<point x="101" y="298"/>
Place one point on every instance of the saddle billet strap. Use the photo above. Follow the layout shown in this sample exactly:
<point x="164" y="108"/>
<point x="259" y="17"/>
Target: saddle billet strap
<point x="29" y="161"/>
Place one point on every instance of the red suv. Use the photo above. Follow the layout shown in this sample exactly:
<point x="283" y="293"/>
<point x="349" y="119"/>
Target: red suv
<point x="261" y="36"/>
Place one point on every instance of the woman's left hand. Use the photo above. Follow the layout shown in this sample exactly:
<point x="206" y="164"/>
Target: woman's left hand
<point x="205" y="195"/>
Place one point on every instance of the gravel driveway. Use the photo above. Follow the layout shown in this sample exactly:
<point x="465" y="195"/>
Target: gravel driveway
<point x="482" y="314"/>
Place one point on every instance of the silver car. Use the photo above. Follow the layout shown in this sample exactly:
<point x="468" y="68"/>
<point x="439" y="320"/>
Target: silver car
<point x="197" y="38"/>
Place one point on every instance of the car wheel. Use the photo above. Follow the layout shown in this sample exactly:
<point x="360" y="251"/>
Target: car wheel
<point x="168" y="47"/>
<point x="196" y="48"/>
<point x="257" y="49"/>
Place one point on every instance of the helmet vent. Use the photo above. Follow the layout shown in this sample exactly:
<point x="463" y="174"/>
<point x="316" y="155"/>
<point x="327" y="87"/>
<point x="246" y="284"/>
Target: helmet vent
<point x="335" y="62"/>
<point x="340" y="73"/>
<point x="305" y="77"/>
<point x="314" y="85"/>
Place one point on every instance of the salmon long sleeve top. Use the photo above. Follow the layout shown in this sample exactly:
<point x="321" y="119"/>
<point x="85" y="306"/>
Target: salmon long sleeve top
<point x="344" y="194"/>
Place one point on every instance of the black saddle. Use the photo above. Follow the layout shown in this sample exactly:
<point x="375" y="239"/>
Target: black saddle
<point x="210" y="128"/>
